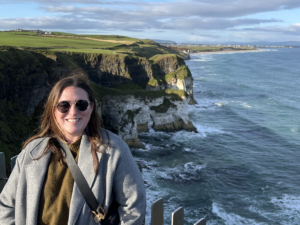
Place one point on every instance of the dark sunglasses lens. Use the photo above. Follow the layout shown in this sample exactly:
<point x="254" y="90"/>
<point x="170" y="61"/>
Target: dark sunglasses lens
<point x="82" y="105"/>
<point x="63" y="106"/>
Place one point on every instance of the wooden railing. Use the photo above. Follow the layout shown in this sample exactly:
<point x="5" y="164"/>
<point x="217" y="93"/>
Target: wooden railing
<point x="157" y="208"/>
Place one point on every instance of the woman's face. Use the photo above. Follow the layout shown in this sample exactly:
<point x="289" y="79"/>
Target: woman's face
<point x="73" y="122"/>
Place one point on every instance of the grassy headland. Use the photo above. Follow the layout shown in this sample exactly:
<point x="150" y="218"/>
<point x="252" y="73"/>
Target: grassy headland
<point x="31" y="63"/>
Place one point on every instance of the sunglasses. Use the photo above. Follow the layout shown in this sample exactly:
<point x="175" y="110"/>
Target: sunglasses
<point x="64" y="106"/>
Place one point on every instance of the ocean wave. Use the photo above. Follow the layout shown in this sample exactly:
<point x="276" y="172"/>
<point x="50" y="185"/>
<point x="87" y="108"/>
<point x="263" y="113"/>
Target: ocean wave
<point x="203" y="131"/>
<point x="146" y="149"/>
<point x="189" y="150"/>
<point x="202" y="60"/>
<point x="270" y="50"/>
<point x="221" y="103"/>
<point x="203" y="103"/>
<point x="243" y="104"/>
<point x="230" y="218"/>
<point x="182" y="173"/>
<point x="294" y="130"/>
<point x="289" y="207"/>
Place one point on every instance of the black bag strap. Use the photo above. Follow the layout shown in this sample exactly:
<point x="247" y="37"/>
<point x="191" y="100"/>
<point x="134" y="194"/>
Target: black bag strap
<point x="83" y="186"/>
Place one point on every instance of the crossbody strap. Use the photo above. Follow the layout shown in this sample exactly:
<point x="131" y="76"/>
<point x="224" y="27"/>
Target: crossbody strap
<point x="82" y="184"/>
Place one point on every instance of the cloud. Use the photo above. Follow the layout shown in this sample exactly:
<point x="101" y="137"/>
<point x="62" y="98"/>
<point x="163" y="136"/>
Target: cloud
<point x="293" y="29"/>
<point x="107" y="21"/>
<point x="181" y="8"/>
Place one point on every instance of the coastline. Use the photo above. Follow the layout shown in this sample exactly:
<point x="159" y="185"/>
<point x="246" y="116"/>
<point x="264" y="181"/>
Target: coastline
<point x="225" y="51"/>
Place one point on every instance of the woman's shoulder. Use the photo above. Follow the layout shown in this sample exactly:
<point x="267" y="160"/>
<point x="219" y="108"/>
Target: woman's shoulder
<point x="36" y="143"/>
<point x="113" y="140"/>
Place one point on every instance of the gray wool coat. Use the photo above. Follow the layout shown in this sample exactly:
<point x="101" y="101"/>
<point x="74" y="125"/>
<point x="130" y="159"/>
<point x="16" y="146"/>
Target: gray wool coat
<point x="118" y="177"/>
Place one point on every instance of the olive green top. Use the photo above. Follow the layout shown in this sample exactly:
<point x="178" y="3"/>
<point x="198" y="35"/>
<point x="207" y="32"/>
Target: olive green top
<point x="57" y="191"/>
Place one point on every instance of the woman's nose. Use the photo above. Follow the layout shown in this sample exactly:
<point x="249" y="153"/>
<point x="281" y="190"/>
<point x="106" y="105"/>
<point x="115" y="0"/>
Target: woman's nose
<point x="72" y="109"/>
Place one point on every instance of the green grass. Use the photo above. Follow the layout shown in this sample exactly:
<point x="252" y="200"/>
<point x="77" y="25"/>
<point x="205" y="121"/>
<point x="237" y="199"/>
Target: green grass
<point x="101" y="91"/>
<point x="76" y="43"/>
<point x="153" y="82"/>
<point x="13" y="39"/>
<point x="159" y="57"/>
<point x="103" y="37"/>
<point x="84" y="50"/>
<point x="181" y="73"/>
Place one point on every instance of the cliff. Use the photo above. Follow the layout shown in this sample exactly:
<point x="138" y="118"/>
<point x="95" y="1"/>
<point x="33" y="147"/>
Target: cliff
<point x="128" y="100"/>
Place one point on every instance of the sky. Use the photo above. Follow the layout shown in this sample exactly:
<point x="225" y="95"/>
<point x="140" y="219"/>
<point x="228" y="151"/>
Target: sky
<point x="183" y="21"/>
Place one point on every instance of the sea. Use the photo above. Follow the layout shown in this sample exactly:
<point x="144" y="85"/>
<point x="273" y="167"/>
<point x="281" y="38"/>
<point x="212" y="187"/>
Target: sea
<point x="243" y="165"/>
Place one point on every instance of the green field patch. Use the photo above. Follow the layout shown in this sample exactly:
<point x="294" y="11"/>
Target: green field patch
<point x="12" y="39"/>
<point x="153" y="82"/>
<point x="100" y="92"/>
<point x="82" y="50"/>
<point x="181" y="73"/>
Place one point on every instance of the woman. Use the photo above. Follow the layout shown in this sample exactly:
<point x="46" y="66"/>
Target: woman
<point x="41" y="189"/>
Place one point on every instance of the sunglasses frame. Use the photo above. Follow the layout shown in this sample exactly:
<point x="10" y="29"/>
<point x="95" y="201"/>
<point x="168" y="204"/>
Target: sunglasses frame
<point x="89" y="103"/>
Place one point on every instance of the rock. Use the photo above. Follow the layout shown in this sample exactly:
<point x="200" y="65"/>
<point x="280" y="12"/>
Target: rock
<point x="186" y="56"/>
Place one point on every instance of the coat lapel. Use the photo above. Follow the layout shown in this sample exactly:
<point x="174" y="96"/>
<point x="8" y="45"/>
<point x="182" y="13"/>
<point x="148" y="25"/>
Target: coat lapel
<point x="85" y="164"/>
<point x="35" y="174"/>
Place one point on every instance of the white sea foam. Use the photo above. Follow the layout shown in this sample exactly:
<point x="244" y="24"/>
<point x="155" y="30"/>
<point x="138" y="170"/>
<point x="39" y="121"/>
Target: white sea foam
<point x="183" y="172"/>
<point x="189" y="150"/>
<point x="221" y="103"/>
<point x="294" y="130"/>
<point x="230" y="218"/>
<point x="146" y="149"/>
<point x="203" y="131"/>
<point x="270" y="50"/>
<point x="203" y="60"/>
<point x="243" y="104"/>
<point x="289" y="206"/>
<point x="288" y="209"/>
<point x="203" y="103"/>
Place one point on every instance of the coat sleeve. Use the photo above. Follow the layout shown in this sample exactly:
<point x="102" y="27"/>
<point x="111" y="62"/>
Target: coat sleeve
<point x="129" y="189"/>
<point x="8" y="194"/>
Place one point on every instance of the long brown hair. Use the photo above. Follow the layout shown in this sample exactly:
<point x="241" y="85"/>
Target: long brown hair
<point x="49" y="127"/>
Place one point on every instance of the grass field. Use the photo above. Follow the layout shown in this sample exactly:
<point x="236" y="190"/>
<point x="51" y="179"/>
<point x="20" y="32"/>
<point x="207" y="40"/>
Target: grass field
<point x="20" y="39"/>
<point x="67" y="42"/>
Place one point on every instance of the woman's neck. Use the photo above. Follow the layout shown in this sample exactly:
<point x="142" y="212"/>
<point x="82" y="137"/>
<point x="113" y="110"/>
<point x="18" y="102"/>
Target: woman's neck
<point x="72" y="139"/>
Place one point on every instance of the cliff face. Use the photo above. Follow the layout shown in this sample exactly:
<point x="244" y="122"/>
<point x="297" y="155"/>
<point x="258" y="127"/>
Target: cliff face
<point x="128" y="115"/>
<point x="26" y="78"/>
<point x="113" y="70"/>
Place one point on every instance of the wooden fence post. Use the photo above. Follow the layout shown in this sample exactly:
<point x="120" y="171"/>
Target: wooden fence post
<point x="3" y="178"/>
<point x="157" y="212"/>
<point x="13" y="162"/>
<point x="201" y="222"/>
<point x="178" y="217"/>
